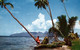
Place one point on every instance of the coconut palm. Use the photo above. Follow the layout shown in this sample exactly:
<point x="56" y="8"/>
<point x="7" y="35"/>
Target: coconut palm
<point x="3" y="4"/>
<point x="43" y="4"/>
<point x="64" y="26"/>
<point x="65" y="8"/>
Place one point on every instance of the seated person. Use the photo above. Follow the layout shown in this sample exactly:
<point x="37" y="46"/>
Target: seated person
<point x="37" y="40"/>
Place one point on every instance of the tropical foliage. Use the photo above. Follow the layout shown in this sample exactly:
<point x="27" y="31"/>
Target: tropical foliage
<point x="3" y="2"/>
<point x="41" y="3"/>
<point x="45" y="40"/>
<point x="64" y="26"/>
<point x="44" y="4"/>
<point x="75" y="45"/>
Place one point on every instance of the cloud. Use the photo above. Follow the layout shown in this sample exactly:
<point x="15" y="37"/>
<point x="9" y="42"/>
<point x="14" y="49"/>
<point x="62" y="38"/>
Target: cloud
<point x="40" y="24"/>
<point x="77" y="25"/>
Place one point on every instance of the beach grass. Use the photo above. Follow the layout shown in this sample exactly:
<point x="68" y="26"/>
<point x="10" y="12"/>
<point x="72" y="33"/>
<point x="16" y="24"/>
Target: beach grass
<point x="75" y="45"/>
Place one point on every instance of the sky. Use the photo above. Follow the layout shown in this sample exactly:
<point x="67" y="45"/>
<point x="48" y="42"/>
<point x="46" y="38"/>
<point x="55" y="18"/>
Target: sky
<point x="34" y="19"/>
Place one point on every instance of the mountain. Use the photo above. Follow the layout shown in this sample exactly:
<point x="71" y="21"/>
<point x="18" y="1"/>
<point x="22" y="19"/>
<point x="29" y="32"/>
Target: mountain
<point x="33" y="33"/>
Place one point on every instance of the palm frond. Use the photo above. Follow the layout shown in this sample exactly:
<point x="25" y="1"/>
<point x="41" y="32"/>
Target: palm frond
<point x="72" y="22"/>
<point x="2" y="0"/>
<point x="62" y="0"/>
<point x="58" y="33"/>
<point x="63" y="27"/>
<point x="41" y="3"/>
<point x="9" y="4"/>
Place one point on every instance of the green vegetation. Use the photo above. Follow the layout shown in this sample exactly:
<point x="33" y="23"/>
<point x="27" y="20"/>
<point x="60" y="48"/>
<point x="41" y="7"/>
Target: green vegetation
<point x="45" y="41"/>
<point x="75" y="45"/>
<point x="52" y="45"/>
<point x="45" y="5"/>
<point x="62" y="28"/>
<point x="73" y="36"/>
<point x="47" y="46"/>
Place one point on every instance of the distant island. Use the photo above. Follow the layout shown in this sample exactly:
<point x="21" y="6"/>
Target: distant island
<point x="22" y="34"/>
<point x="25" y="34"/>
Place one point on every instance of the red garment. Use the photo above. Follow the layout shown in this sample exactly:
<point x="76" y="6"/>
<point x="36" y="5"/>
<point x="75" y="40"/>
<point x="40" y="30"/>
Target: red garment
<point x="37" y="39"/>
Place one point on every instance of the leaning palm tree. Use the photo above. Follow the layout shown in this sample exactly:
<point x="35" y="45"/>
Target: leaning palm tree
<point x="65" y="8"/>
<point x="62" y="25"/>
<point x="45" y="5"/>
<point x="3" y="4"/>
<point x="66" y="27"/>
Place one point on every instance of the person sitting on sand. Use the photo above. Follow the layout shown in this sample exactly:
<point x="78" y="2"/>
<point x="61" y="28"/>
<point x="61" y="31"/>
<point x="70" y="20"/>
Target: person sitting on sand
<point x="37" y="40"/>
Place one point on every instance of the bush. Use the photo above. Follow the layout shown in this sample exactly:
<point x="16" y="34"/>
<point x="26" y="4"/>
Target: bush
<point x="59" y="43"/>
<point x="75" y="45"/>
<point x="46" y="46"/>
<point x="73" y="36"/>
<point x="45" y="41"/>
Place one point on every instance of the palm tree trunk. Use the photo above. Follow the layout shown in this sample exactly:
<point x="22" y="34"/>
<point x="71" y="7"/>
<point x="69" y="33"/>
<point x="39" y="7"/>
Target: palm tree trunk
<point x="20" y="23"/>
<point x="50" y="13"/>
<point x="51" y="16"/>
<point x="56" y="38"/>
<point x="66" y="10"/>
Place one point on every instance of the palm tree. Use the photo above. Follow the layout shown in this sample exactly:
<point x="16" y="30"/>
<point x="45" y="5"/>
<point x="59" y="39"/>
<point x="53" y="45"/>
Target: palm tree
<point x="62" y="25"/>
<point x="3" y="4"/>
<point x="66" y="27"/>
<point x="65" y="8"/>
<point x="43" y="4"/>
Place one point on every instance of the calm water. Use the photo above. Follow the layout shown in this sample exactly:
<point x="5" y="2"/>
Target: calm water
<point x="17" y="43"/>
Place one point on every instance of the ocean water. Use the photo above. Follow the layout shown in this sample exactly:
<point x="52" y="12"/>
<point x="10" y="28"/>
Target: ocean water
<point x="17" y="43"/>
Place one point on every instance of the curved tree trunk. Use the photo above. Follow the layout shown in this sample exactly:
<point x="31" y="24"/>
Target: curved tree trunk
<point x="20" y="23"/>
<point x="66" y="10"/>
<point x="56" y="38"/>
<point x="51" y="16"/>
<point x="50" y="13"/>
